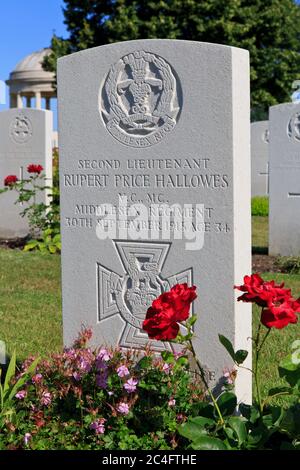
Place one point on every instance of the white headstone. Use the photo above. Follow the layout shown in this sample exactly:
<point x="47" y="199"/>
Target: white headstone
<point x="284" y="218"/>
<point x="260" y="158"/>
<point x="164" y="124"/>
<point x="25" y="138"/>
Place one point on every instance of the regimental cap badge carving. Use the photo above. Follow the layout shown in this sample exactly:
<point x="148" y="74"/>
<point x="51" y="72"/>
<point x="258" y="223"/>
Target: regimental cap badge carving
<point x="20" y="129"/>
<point x="140" y="100"/>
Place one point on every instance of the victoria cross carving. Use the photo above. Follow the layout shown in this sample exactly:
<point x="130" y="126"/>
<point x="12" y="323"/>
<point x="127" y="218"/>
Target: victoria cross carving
<point x="131" y="294"/>
<point x="140" y="99"/>
<point x="20" y="129"/>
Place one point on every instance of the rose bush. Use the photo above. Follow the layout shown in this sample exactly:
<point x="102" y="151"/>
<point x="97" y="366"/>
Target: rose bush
<point x="43" y="218"/>
<point x="223" y="424"/>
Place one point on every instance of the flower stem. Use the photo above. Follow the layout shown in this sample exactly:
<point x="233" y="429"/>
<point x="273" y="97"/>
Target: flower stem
<point x="258" y="348"/>
<point x="202" y="375"/>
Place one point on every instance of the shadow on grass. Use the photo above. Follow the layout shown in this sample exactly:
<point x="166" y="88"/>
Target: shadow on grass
<point x="260" y="250"/>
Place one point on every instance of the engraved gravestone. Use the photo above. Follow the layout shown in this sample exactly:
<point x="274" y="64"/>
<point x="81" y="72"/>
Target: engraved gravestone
<point x="155" y="190"/>
<point x="284" y="218"/>
<point x="260" y="158"/>
<point x="25" y="138"/>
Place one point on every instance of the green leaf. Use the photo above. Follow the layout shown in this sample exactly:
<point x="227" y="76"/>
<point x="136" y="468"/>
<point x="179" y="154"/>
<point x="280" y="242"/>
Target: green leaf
<point x="208" y="443"/>
<point x="22" y="380"/>
<point x="230" y="434"/>
<point x="144" y="363"/>
<point x="250" y="412"/>
<point x="205" y="409"/>
<point x="56" y="239"/>
<point x="195" y="427"/>
<point x="290" y="372"/>
<point x="191" y="431"/>
<point x="237" y="424"/>
<point x="182" y="361"/>
<point x="192" y="320"/>
<point x="11" y="370"/>
<point x="277" y="390"/>
<point x="227" y="403"/>
<point x="168" y="357"/>
<point x="240" y="356"/>
<point x="227" y="345"/>
<point x="30" y="245"/>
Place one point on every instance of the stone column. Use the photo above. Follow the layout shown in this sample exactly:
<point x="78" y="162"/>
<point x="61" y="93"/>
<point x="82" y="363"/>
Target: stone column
<point x="38" y="100"/>
<point x="12" y="100"/>
<point x="19" y="101"/>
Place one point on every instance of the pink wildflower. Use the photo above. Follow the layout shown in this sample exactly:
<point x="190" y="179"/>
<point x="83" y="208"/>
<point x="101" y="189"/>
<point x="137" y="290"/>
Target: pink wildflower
<point x="122" y="371"/>
<point x="21" y="394"/>
<point x="130" y="385"/>
<point x="123" y="408"/>
<point x="46" y="398"/>
<point x="104" y="355"/>
<point x="98" y="426"/>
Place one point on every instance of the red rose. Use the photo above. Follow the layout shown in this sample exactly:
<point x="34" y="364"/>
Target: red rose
<point x="279" y="316"/>
<point x="262" y="292"/>
<point x="167" y="310"/>
<point x="35" y="168"/>
<point x="10" y="180"/>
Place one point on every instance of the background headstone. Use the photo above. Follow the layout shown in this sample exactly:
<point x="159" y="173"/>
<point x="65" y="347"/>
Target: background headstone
<point x="260" y="158"/>
<point x="25" y="138"/>
<point x="167" y="122"/>
<point x="284" y="217"/>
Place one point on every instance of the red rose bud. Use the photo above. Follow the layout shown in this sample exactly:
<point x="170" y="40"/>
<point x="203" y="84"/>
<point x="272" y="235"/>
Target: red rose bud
<point x="261" y="292"/>
<point x="10" y="180"/>
<point x="167" y="310"/>
<point x="35" y="168"/>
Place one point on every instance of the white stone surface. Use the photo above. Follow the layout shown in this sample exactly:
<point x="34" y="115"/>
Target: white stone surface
<point x="284" y="218"/>
<point x="196" y="98"/>
<point x="25" y="138"/>
<point x="260" y="158"/>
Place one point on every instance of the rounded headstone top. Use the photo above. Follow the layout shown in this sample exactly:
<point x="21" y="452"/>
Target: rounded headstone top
<point x="30" y="68"/>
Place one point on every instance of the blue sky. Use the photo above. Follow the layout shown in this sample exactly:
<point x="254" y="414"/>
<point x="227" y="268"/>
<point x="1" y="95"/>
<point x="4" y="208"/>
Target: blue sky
<point x="25" y="27"/>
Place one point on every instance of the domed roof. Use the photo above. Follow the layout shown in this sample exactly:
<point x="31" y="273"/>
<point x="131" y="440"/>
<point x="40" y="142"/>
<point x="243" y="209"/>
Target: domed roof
<point x="30" y="68"/>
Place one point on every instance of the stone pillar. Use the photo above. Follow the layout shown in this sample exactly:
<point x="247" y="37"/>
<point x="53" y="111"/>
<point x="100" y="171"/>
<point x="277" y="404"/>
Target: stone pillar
<point x="48" y="104"/>
<point x="12" y="100"/>
<point x="19" y="101"/>
<point x="38" y="100"/>
<point x="28" y="101"/>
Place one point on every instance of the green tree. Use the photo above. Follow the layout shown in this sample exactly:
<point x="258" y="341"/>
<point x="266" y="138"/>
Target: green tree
<point x="269" y="29"/>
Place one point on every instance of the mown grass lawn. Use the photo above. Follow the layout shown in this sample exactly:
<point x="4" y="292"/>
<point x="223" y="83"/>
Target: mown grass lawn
<point x="30" y="306"/>
<point x="30" y="302"/>
<point x="260" y="234"/>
